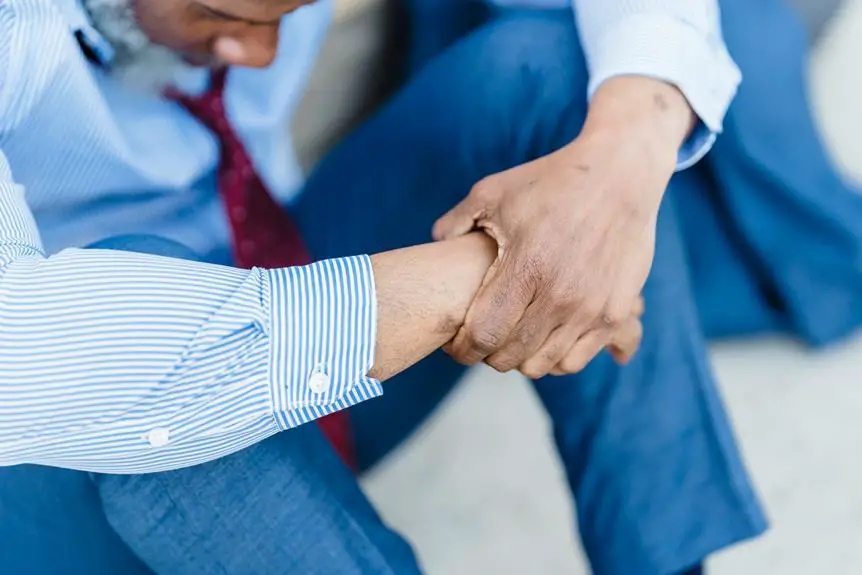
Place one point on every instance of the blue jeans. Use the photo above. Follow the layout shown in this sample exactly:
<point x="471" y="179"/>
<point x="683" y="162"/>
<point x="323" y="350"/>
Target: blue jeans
<point x="647" y="448"/>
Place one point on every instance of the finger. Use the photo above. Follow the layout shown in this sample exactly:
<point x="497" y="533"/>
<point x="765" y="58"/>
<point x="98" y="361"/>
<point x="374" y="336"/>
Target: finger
<point x="498" y="306"/>
<point x="583" y="351"/>
<point x="640" y="306"/>
<point x="447" y="347"/>
<point x="527" y="336"/>
<point x="576" y="326"/>
<point x="619" y="355"/>
<point x="551" y="352"/>
<point x="626" y="340"/>
<point x="460" y="219"/>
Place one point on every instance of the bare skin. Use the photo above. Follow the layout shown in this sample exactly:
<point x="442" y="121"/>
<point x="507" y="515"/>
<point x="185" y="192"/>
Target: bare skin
<point x="420" y="308"/>
<point x="231" y="32"/>
<point x="574" y="229"/>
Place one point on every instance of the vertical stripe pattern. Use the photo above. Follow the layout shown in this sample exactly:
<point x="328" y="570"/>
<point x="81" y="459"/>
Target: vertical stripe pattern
<point x="127" y="363"/>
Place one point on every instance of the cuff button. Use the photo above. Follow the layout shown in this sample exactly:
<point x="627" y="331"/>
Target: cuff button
<point x="319" y="382"/>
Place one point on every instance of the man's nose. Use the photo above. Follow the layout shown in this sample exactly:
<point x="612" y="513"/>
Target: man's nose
<point x="254" y="49"/>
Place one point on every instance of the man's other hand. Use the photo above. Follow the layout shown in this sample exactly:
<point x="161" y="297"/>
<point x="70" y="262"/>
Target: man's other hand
<point x="575" y="232"/>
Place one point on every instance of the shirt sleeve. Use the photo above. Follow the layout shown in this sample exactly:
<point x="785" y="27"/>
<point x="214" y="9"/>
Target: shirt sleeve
<point x="678" y="41"/>
<point x="127" y="363"/>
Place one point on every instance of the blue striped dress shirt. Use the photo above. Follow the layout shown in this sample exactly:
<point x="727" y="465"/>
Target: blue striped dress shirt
<point x="128" y="363"/>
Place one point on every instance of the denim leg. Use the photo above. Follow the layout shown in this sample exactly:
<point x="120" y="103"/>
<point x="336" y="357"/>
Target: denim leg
<point x="802" y="223"/>
<point x="647" y="446"/>
<point x="733" y="293"/>
<point x="384" y="186"/>
<point x="286" y="505"/>
<point x="51" y="520"/>
<point x="434" y="25"/>
<point x="146" y="244"/>
<point x="650" y="456"/>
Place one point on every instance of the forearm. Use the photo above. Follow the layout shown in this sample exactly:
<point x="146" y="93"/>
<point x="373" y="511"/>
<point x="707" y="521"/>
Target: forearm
<point x="423" y="293"/>
<point x="679" y="41"/>
<point x="638" y="121"/>
<point x="642" y="107"/>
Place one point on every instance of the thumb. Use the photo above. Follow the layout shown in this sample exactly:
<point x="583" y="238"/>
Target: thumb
<point x="459" y="220"/>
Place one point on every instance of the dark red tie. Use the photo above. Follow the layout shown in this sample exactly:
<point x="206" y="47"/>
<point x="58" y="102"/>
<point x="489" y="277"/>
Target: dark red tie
<point x="263" y="233"/>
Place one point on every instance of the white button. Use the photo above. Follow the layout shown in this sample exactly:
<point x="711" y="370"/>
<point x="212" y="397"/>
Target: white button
<point x="159" y="437"/>
<point x="319" y="382"/>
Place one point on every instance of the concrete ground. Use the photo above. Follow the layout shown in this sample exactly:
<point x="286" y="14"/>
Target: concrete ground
<point x="476" y="494"/>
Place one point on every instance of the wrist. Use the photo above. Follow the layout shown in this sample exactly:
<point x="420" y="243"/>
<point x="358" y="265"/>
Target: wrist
<point x="644" y="111"/>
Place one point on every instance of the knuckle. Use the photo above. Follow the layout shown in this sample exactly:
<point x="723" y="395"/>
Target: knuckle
<point x="501" y="364"/>
<point x="552" y="353"/>
<point x="590" y="310"/>
<point x="615" y="315"/>
<point x="562" y="299"/>
<point x="565" y="309"/>
<point x="484" y="340"/>
<point x="526" y="335"/>
<point x="484" y="189"/>
<point x="559" y="299"/>
<point x="612" y="318"/>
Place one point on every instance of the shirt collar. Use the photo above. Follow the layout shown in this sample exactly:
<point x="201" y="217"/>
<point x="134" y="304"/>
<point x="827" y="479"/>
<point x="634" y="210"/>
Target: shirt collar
<point x="92" y="43"/>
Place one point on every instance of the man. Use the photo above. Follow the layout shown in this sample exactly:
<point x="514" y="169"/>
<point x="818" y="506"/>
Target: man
<point x="123" y="363"/>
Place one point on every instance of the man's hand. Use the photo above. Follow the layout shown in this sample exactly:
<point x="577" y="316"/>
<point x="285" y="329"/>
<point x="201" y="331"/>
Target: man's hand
<point x="575" y="233"/>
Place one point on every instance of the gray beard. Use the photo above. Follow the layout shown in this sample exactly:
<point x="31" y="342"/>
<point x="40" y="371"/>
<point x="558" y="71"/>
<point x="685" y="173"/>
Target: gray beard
<point x="138" y="63"/>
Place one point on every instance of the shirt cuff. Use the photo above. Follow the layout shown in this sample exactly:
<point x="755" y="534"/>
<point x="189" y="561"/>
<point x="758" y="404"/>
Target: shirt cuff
<point x="323" y="334"/>
<point x="668" y="49"/>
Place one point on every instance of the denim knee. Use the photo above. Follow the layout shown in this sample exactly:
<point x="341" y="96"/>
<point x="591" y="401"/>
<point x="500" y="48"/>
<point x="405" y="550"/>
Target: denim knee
<point x="146" y="244"/>
<point x="541" y="47"/>
<point x="528" y="69"/>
